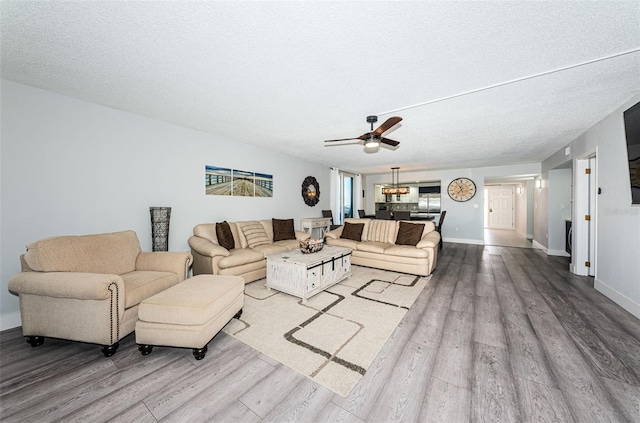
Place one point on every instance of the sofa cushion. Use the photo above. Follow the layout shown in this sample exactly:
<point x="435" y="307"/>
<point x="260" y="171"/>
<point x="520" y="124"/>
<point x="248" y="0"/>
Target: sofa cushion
<point x="405" y="251"/>
<point x="110" y="253"/>
<point x="342" y="242"/>
<point x="428" y="227"/>
<point x="267" y="224"/>
<point x="283" y="229"/>
<point x="140" y="285"/>
<point x="267" y="249"/>
<point x="289" y="244"/>
<point x="206" y="231"/>
<point x="240" y="256"/>
<point x="352" y="231"/>
<point x="373" y="247"/>
<point x="224" y="235"/>
<point x="254" y="233"/>
<point x="409" y="233"/>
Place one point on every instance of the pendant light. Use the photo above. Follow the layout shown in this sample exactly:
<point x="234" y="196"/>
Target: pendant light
<point x="394" y="188"/>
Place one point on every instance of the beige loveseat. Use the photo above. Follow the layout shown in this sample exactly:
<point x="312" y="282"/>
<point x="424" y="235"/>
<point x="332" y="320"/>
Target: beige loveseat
<point x="377" y="246"/>
<point x="88" y="288"/>
<point x="244" y="260"/>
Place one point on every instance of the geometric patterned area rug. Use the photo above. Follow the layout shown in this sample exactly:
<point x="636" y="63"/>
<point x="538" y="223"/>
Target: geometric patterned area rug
<point x="335" y="336"/>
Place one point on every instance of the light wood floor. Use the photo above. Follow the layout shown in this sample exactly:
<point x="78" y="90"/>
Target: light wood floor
<point x="506" y="238"/>
<point x="499" y="334"/>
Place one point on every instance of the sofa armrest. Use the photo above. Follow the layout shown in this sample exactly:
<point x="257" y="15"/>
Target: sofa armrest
<point x="335" y="234"/>
<point x="302" y="236"/>
<point x="429" y="240"/>
<point x="80" y="286"/>
<point x="164" y="261"/>
<point x="207" y="248"/>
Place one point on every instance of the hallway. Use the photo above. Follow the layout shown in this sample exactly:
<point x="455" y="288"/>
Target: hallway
<point x="506" y="238"/>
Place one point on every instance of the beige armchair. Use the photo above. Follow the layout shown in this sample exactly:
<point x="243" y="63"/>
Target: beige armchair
<point x="88" y="288"/>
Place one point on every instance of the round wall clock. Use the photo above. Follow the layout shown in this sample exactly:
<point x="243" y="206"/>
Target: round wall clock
<point x="462" y="189"/>
<point x="310" y="191"/>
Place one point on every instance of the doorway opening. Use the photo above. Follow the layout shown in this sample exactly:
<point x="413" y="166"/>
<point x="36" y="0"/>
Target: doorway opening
<point x="347" y="196"/>
<point x="508" y="211"/>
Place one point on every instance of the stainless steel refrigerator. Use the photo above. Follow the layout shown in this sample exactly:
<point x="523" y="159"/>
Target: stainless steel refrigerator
<point x="429" y="200"/>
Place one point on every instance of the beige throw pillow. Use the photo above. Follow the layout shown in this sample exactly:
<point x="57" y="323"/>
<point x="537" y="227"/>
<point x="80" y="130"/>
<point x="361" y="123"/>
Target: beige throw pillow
<point x="255" y="234"/>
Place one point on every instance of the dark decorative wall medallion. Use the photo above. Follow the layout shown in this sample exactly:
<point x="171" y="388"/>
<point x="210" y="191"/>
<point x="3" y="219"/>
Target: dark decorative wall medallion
<point x="310" y="191"/>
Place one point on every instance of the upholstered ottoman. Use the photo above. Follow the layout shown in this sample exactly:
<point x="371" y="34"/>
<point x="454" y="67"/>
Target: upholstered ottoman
<point x="190" y="313"/>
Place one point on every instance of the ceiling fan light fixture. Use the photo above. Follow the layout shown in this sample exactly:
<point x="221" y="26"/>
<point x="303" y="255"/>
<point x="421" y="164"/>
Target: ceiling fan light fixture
<point x="371" y="143"/>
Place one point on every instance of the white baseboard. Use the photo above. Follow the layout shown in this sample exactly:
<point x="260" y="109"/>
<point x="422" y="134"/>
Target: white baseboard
<point x="620" y="299"/>
<point x="560" y="253"/>
<point x="10" y="320"/>
<point x="539" y="246"/>
<point x="464" y="241"/>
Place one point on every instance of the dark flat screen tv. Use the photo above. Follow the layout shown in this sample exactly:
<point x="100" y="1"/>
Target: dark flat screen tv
<point x="632" y="130"/>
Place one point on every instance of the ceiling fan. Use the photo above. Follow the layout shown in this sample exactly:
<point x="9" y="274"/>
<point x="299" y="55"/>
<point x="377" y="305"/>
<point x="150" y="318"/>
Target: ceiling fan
<point x="374" y="138"/>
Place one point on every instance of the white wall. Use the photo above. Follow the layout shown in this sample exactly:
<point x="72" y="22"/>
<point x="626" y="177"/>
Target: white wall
<point x="617" y="221"/>
<point x="467" y="217"/>
<point x="520" y="207"/>
<point x="71" y="167"/>
<point x="541" y="210"/>
<point x="530" y="209"/>
<point x="559" y="209"/>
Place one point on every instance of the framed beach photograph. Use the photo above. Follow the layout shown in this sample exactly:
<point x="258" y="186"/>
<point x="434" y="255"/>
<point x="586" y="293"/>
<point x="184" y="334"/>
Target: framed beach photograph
<point x="239" y="183"/>
<point x="243" y="183"/>
<point x="217" y="180"/>
<point x="263" y="185"/>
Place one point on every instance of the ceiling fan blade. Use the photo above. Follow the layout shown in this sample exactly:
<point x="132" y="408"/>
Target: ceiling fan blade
<point x="342" y="139"/>
<point x="387" y="125"/>
<point x="356" y="142"/>
<point x="389" y="142"/>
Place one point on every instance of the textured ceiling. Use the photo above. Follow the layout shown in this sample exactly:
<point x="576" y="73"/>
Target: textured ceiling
<point x="288" y="75"/>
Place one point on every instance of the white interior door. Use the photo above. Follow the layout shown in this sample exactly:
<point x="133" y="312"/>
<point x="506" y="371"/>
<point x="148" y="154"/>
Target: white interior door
<point x="500" y="208"/>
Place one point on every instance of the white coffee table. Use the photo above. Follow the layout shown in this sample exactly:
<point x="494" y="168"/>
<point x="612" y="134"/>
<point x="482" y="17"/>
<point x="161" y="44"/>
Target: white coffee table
<point x="304" y="275"/>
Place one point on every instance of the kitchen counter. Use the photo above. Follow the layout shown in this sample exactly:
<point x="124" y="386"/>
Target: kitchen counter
<point x="416" y="216"/>
<point x="422" y="217"/>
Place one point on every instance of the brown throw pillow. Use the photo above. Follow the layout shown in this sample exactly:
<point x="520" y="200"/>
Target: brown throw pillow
<point x="225" y="237"/>
<point x="409" y="233"/>
<point x="352" y="231"/>
<point x="283" y="229"/>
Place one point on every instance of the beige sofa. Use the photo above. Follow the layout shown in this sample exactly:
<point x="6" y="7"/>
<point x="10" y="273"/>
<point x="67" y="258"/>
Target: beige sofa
<point x="247" y="261"/>
<point x="377" y="247"/>
<point x="88" y="288"/>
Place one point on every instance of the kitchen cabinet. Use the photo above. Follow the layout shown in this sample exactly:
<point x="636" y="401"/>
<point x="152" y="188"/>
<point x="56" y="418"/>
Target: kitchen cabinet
<point x="412" y="197"/>
<point x="379" y="196"/>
